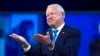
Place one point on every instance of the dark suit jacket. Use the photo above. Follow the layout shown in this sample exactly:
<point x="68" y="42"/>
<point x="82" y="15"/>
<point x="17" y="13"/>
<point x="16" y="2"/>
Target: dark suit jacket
<point x="95" y="47"/>
<point x="67" y="44"/>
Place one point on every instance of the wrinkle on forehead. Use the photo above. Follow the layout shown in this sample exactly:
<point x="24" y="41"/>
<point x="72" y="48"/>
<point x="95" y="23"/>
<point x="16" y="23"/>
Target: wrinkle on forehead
<point x="51" y="8"/>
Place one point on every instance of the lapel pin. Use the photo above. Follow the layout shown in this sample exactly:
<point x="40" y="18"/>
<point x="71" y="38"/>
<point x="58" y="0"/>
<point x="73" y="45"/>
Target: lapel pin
<point x="63" y="32"/>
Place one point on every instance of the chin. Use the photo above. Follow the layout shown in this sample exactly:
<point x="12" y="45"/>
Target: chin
<point x="52" y="25"/>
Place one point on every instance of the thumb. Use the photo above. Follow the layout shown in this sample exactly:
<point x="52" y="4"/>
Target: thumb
<point x="48" y="34"/>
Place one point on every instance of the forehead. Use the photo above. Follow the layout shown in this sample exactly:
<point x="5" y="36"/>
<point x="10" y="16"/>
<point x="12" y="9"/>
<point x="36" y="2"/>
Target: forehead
<point x="51" y="9"/>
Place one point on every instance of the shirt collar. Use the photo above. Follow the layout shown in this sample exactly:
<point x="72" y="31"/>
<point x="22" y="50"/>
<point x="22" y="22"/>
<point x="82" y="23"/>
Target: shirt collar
<point x="60" y="27"/>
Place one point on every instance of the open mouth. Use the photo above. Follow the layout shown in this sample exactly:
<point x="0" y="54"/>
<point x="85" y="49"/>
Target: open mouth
<point x="51" y="20"/>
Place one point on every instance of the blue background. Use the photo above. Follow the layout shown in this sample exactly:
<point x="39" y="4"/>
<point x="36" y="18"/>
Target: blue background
<point x="86" y="22"/>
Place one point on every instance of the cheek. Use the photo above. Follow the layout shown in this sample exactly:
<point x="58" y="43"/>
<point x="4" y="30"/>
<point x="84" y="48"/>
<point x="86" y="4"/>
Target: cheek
<point x="51" y="22"/>
<point x="47" y="22"/>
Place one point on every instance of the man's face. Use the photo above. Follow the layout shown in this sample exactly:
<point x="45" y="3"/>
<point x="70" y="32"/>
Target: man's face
<point x="54" y="16"/>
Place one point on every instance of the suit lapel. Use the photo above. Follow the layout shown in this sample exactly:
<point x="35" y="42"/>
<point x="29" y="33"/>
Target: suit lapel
<point x="62" y="35"/>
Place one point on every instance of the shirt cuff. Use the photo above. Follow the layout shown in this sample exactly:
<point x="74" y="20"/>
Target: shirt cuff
<point x="52" y="47"/>
<point x="27" y="49"/>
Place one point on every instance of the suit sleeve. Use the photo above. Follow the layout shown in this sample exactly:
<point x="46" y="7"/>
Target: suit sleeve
<point x="34" y="50"/>
<point x="71" y="45"/>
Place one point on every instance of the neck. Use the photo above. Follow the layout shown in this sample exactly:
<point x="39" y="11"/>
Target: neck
<point x="56" y="26"/>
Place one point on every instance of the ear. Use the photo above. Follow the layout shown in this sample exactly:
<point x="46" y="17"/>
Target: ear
<point x="63" y="13"/>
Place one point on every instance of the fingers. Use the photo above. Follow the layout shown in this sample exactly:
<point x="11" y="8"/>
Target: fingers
<point x="18" y="37"/>
<point x="44" y="39"/>
<point x="38" y="36"/>
<point x="15" y="36"/>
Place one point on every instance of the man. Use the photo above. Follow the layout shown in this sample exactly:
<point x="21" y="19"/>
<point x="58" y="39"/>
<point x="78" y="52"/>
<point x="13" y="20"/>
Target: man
<point x="95" y="45"/>
<point x="61" y="40"/>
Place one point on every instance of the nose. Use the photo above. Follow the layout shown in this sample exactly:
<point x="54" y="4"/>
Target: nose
<point x="49" y="17"/>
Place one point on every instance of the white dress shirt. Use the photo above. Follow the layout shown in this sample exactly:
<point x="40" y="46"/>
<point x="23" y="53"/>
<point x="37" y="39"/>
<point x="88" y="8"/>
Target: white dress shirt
<point x="59" y="30"/>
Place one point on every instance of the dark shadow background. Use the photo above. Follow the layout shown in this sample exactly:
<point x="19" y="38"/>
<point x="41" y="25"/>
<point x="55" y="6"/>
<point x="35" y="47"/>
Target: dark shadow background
<point x="40" y="5"/>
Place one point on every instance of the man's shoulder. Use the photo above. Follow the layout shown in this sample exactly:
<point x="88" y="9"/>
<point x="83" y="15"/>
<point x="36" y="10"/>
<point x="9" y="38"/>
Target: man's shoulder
<point x="71" y="29"/>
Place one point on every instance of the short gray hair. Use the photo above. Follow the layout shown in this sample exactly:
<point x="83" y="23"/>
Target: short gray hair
<point x="59" y="7"/>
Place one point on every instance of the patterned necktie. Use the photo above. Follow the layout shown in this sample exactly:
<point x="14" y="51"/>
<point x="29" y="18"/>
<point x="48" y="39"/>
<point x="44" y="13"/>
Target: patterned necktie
<point x="54" y="35"/>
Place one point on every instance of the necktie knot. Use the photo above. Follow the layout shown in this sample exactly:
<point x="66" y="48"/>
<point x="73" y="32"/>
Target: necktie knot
<point x="55" y="31"/>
